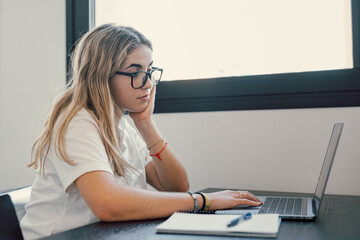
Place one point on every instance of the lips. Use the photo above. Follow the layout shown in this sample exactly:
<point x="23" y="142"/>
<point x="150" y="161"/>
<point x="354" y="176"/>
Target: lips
<point x="145" y="97"/>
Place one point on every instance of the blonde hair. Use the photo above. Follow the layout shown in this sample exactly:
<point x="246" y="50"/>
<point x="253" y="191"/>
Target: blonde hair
<point x="95" y="59"/>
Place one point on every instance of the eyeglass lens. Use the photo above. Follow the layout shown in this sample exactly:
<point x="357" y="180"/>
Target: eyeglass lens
<point x="140" y="78"/>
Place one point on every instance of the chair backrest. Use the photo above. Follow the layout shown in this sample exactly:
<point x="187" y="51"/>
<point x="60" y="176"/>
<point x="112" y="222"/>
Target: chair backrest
<point x="9" y="224"/>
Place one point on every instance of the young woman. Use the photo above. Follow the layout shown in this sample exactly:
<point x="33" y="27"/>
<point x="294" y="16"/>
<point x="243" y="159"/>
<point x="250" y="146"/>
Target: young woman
<point x="90" y="163"/>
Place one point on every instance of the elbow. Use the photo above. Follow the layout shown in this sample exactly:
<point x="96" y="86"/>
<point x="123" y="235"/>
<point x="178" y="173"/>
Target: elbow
<point x="179" y="187"/>
<point x="104" y="214"/>
<point x="103" y="217"/>
<point x="110" y="215"/>
<point x="108" y="211"/>
<point x="104" y="210"/>
<point x="185" y="187"/>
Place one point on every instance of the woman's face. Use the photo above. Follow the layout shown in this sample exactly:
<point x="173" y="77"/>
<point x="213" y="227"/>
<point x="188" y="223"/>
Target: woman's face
<point x="126" y="97"/>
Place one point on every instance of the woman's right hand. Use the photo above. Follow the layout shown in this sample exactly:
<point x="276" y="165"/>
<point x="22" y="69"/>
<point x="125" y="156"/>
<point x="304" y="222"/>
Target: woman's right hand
<point x="230" y="199"/>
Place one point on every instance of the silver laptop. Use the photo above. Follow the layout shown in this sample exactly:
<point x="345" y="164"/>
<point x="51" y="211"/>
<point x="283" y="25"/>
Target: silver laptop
<point x="298" y="207"/>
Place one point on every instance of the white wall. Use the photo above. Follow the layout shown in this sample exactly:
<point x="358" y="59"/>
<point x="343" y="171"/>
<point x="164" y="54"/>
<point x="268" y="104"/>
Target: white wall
<point x="32" y="69"/>
<point x="237" y="149"/>
<point x="265" y="150"/>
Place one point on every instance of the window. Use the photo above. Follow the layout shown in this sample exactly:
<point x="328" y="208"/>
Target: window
<point x="238" y="37"/>
<point x="286" y="58"/>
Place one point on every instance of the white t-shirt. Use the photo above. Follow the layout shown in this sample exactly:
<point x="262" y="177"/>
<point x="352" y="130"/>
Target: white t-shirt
<point x="55" y="203"/>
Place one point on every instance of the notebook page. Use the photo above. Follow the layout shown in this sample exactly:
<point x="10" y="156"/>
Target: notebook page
<point x="211" y="223"/>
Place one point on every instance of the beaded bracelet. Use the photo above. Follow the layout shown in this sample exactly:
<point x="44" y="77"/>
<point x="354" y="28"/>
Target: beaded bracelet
<point x="195" y="201"/>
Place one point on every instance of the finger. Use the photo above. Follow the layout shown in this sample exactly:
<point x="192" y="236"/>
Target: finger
<point x="152" y="95"/>
<point x="241" y="194"/>
<point x="248" y="202"/>
<point x="250" y="196"/>
<point x="153" y="92"/>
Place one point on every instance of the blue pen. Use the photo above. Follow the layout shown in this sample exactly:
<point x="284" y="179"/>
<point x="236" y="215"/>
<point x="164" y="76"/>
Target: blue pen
<point x="235" y="221"/>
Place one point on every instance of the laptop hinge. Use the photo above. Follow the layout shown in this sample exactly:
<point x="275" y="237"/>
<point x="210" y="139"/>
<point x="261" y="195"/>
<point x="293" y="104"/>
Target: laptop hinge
<point x="314" y="206"/>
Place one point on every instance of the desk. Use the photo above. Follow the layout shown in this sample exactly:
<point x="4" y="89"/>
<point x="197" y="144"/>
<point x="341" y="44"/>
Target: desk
<point x="339" y="219"/>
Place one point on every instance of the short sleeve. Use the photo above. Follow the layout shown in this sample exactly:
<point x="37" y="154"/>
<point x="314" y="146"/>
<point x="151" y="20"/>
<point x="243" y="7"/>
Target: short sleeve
<point x="84" y="147"/>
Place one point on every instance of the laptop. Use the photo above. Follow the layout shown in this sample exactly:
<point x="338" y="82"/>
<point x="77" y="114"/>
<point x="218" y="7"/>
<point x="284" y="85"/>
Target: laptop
<point x="298" y="207"/>
<point x="9" y="224"/>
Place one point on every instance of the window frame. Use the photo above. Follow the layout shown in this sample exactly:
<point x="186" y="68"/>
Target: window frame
<point x="315" y="89"/>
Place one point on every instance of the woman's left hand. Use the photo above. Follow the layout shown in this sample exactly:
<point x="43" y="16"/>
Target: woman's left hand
<point x="148" y="111"/>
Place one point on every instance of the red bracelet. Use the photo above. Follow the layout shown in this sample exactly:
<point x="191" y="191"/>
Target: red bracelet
<point x="158" y="154"/>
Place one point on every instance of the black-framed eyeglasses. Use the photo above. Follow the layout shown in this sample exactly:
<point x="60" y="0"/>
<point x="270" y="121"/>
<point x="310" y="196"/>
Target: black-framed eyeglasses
<point x="139" y="78"/>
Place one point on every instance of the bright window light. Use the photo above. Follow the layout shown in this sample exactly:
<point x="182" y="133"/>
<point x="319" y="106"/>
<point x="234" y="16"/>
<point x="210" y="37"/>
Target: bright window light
<point x="196" y="39"/>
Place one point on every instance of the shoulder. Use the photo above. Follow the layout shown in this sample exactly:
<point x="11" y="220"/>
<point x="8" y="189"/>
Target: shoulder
<point x="83" y="121"/>
<point x="83" y="117"/>
<point x="83" y="125"/>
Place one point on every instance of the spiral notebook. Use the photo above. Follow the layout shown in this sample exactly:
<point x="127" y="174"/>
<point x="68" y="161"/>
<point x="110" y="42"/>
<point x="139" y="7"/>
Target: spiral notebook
<point x="260" y="225"/>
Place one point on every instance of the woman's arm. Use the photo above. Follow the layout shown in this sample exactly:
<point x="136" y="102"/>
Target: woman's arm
<point x="110" y="201"/>
<point x="167" y="174"/>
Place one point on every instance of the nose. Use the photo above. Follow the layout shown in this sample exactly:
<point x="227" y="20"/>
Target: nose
<point x="149" y="83"/>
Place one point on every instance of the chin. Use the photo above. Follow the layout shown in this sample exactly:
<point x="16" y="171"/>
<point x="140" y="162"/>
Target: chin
<point x="137" y="109"/>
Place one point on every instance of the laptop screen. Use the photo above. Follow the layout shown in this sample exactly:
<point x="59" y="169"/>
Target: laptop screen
<point x="329" y="157"/>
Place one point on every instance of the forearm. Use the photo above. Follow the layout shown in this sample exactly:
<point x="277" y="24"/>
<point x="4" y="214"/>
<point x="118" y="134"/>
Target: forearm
<point x="170" y="172"/>
<point x="126" y="203"/>
<point x="110" y="201"/>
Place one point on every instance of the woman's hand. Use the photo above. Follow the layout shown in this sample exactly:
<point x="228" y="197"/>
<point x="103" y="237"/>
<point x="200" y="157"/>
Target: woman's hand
<point x="230" y="199"/>
<point x="148" y="111"/>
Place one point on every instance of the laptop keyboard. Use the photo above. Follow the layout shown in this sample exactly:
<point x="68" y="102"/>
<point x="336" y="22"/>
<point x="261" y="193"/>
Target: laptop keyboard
<point x="284" y="205"/>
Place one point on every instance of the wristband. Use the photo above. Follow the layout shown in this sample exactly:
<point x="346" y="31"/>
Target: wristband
<point x="204" y="200"/>
<point x="207" y="202"/>
<point x="195" y="201"/>
<point x="158" y="154"/>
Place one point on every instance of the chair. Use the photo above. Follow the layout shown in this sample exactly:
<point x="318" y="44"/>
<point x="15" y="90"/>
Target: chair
<point x="9" y="224"/>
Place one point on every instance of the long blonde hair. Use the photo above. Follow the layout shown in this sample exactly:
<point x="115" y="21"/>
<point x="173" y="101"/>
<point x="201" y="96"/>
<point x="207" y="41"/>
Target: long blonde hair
<point x="95" y="59"/>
